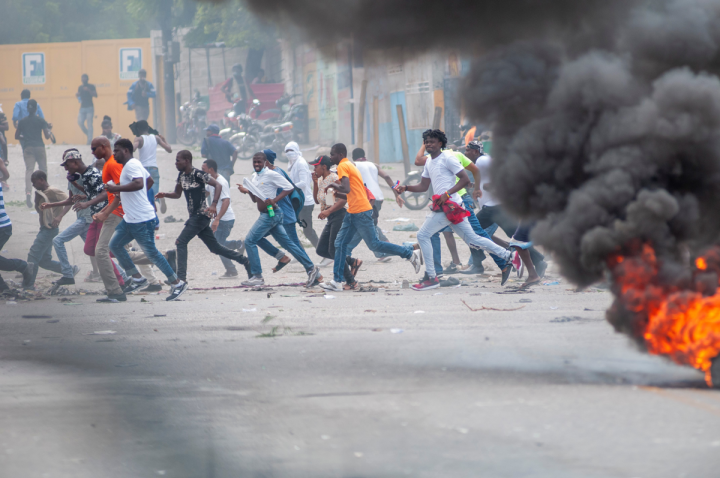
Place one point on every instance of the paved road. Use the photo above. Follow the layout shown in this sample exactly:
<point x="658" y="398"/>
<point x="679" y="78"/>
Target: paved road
<point x="207" y="387"/>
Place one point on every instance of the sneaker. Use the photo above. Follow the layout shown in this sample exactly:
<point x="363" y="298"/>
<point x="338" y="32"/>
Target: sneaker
<point x="113" y="299"/>
<point x="177" y="290"/>
<point x="28" y="274"/>
<point x="452" y="268"/>
<point x="254" y="281"/>
<point x="416" y="260"/>
<point x="93" y="277"/>
<point x="134" y="285"/>
<point x="384" y="259"/>
<point x="238" y="245"/>
<point x="474" y="269"/>
<point x="229" y="275"/>
<point x="325" y="262"/>
<point x="163" y="206"/>
<point x="449" y="282"/>
<point x="171" y="257"/>
<point x="332" y="286"/>
<point x="506" y="273"/>
<point x="312" y="276"/>
<point x="64" y="281"/>
<point x="426" y="284"/>
<point x="152" y="288"/>
<point x="76" y="269"/>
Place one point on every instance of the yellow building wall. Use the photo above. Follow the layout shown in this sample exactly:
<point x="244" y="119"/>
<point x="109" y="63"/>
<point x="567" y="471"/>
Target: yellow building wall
<point x="64" y="65"/>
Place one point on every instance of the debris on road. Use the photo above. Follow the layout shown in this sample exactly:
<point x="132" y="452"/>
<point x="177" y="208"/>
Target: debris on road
<point x="490" y="308"/>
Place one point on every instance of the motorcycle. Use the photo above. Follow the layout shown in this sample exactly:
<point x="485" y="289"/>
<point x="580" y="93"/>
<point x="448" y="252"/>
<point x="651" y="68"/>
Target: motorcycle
<point x="194" y="120"/>
<point x="254" y="134"/>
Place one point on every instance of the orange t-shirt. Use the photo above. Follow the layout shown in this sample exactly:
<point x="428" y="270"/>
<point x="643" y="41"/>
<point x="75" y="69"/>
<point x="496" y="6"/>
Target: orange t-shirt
<point x="112" y="171"/>
<point x="357" y="197"/>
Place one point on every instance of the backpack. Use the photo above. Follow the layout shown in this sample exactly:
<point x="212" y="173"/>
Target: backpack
<point x="297" y="199"/>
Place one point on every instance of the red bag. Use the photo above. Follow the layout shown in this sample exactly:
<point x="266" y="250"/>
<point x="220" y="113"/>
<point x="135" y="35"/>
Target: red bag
<point x="454" y="212"/>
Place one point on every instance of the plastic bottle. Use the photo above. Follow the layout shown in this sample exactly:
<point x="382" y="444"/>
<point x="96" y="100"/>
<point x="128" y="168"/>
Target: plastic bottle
<point x="271" y="211"/>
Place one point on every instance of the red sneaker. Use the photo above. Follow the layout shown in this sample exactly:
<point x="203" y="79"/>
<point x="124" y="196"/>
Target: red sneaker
<point x="427" y="283"/>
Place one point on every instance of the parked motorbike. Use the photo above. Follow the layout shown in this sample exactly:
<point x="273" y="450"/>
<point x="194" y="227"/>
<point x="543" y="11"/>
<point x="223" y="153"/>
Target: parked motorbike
<point x="191" y="129"/>
<point x="254" y="134"/>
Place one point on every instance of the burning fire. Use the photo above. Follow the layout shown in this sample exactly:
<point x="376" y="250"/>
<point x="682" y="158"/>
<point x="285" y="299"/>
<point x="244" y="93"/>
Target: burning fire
<point x="680" y="322"/>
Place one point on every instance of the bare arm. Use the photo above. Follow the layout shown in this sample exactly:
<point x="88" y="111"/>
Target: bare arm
<point x="477" y="193"/>
<point x="138" y="143"/>
<point x="97" y="199"/>
<point x="420" y="158"/>
<point x="162" y="142"/>
<point x="107" y="210"/>
<point x="173" y="195"/>
<point x="343" y="186"/>
<point x="3" y="170"/>
<point x="135" y="185"/>
<point x="417" y="188"/>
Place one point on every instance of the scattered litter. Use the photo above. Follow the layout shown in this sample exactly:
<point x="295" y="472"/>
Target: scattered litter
<point x="464" y="431"/>
<point x="553" y="308"/>
<point x="376" y="330"/>
<point x="419" y="311"/>
<point x="101" y="332"/>
<point x="10" y="302"/>
<point x="396" y="331"/>
<point x="170" y="219"/>
<point x="250" y="310"/>
<point x="562" y="320"/>
<point x="160" y="315"/>
<point x="53" y="321"/>
<point x="590" y="310"/>
<point x="325" y="437"/>
<point x="142" y="299"/>
<point x="105" y="340"/>
<point x="329" y="296"/>
<point x="438" y="293"/>
<point x="37" y="316"/>
<point x="449" y="282"/>
<point x="213" y="273"/>
<point x="398" y="219"/>
<point x="406" y="227"/>
<point x="525" y="301"/>
<point x="358" y="454"/>
<point x="405" y="284"/>
<point x="551" y="283"/>
<point x="490" y="308"/>
<point x="370" y="310"/>
<point x="72" y="303"/>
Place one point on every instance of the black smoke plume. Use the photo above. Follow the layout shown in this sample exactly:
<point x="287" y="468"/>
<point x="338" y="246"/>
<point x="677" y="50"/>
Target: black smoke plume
<point x="606" y="114"/>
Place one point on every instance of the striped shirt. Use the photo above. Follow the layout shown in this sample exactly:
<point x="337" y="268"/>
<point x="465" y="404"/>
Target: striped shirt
<point x="4" y="218"/>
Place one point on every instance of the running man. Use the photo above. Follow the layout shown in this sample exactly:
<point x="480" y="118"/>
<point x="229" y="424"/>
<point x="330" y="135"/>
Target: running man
<point x="85" y="94"/>
<point x="440" y="170"/>
<point x="300" y="175"/>
<point x="10" y="265"/>
<point x="29" y="132"/>
<point x="146" y="146"/>
<point x="220" y="150"/>
<point x="138" y="222"/>
<point x="359" y="218"/>
<point x="138" y="96"/>
<point x="268" y="182"/>
<point x="192" y="181"/>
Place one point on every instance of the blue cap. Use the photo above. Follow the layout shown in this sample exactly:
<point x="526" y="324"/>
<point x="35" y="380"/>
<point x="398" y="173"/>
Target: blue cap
<point x="270" y="155"/>
<point x="213" y="128"/>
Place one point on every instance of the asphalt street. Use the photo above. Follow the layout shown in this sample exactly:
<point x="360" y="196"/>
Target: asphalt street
<point x="289" y="382"/>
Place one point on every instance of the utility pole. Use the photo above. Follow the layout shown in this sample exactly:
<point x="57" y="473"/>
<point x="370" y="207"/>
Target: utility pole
<point x="165" y="19"/>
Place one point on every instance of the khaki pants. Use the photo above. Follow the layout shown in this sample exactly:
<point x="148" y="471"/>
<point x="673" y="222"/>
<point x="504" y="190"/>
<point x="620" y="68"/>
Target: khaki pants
<point x="32" y="155"/>
<point x="102" y="255"/>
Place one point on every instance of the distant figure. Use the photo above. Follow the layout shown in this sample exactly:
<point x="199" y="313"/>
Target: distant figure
<point x="260" y="77"/>
<point x="239" y="80"/>
<point x="107" y="131"/>
<point x="29" y="132"/>
<point x="20" y="110"/>
<point x="138" y="96"/>
<point x="222" y="151"/>
<point x="85" y="94"/>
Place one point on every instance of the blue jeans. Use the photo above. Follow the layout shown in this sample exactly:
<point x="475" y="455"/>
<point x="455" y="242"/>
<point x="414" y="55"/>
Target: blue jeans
<point x="77" y="228"/>
<point x="155" y="175"/>
<point x="222" y="233"/>
<point x="87" y="115"/>
<point x="273" y="251"/>
<point x="363" y="224"/>
<point x="144" y="235"/>
<point x="357" y="238"/>
<point x="274" y="226"/>
<point x="41" y="251"/>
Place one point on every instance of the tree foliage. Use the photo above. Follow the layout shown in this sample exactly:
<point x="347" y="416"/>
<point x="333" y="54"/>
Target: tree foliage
<point x="230" y="22"/>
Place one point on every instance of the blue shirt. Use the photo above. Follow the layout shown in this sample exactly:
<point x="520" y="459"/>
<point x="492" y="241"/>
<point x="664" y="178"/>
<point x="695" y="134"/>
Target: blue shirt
<point x="285" y="204"/>
<point x="219" y="150"/>
<point x="138" y="99"/>
<point x="4" y="218"/>
<point x="20" y="110"/>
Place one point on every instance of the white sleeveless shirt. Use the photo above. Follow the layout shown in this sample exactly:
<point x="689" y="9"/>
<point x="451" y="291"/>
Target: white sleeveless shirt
<point x="148" y="153"/>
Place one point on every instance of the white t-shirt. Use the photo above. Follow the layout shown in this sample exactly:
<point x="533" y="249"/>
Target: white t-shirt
<point x="135" y="204"/>
<point x="224" y="194"/>
<point x="301" y="176"/>
<point x="483" y="164"/>
<point x="269" y="181"/>
<point x="369" y="174"/>
<point x="148" y="153"/>
<point x="442" y="171"/>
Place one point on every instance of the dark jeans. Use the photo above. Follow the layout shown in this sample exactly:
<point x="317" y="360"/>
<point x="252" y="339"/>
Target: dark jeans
<point x="492" y="217"/>
<point x="326" y="243"/>
<point x="199" y="226"/>
<point x="41" y="252"/>
<point x="8" y="264"/>
<point x="144" y="235"/>
<point x="270" y="249"/>
<point x="362" y="222"/>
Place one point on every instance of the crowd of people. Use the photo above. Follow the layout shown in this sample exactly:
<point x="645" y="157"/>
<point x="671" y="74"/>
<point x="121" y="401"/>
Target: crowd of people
<point x="115" y="199"/>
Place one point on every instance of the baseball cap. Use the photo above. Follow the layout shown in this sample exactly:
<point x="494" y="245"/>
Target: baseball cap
<point x="270" y="155"/>
<point x="69" y="155"/>
<point x="477" y="145"/>
<point x="214" y="128"/>
<point x="322" y="160"/>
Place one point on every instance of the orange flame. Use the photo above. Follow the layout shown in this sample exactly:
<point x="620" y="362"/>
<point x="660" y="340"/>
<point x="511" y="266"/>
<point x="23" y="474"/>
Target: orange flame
<point x="682" y="324"/>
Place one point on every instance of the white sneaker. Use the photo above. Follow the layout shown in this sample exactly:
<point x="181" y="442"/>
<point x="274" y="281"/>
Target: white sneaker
<point x="254" y="280"/>
<point x="331" y="285"/>
<point x="325" y="262"/>
<point x="416" y="260"/>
